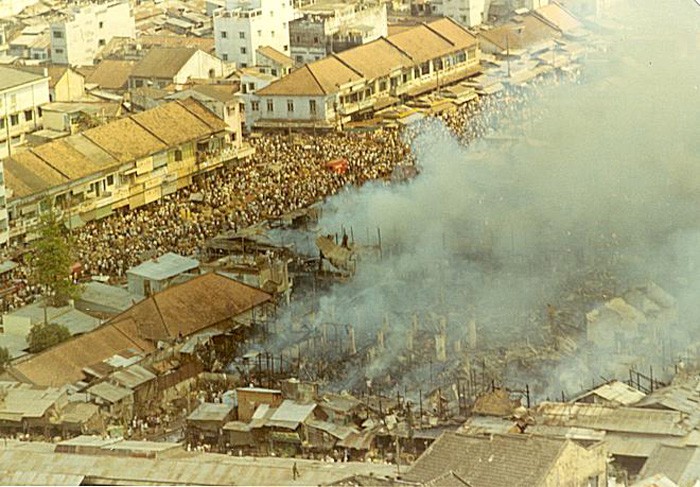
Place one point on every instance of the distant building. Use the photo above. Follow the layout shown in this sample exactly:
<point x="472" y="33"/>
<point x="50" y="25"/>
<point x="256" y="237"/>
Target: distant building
<point x="65" y="84"/>
<point x="165" y="66"/>
<point x="243" y="26"/>
<point x="21" y="96"/>
<point x="327" y="26"/>
<point x="159" y="273"/>
<point x="223" y="100"/>
<point x="274" y="62"/>
<point x="83" y="30"/>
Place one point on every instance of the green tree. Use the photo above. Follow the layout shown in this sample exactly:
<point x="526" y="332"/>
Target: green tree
<point x="44" y="335"/>
<point x="51" y="262"/>
<point x="5" y="358"/>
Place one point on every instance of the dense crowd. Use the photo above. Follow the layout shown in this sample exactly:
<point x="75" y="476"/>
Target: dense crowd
<point x="286" y="173"/>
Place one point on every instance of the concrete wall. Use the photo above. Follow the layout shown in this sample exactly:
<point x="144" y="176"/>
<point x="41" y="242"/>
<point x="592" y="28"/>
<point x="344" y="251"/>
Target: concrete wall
<point x="21" y="102"/>
<point x="70" y="87"/>
<point x="77" y="39"/>
<point x="241" y="28"/>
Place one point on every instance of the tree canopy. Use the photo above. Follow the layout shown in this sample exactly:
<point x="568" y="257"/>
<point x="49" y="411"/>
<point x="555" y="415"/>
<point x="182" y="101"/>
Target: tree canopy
<point x="5" y="358"/>
<point x="51" y="262"/>
<point x="44" y="335"/>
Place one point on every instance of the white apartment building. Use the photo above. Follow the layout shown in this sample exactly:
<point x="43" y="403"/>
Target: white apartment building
<point x="245" y="25"/>
<point x="83" y="30"/>
<point x="21" y="96"/>
<point x="466" y="12"/>
<point x="327" y="26"/>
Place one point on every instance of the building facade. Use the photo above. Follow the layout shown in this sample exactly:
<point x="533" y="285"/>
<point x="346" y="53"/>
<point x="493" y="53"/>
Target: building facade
<point x="83" y="30"/>
<point x="165" y="66"/>
<point x="123" y="164"/>
<point x="243" y="26"/>
<point x="353" y="84"/>
<point x="325" y="28"/>
<point x="21" y="96"/>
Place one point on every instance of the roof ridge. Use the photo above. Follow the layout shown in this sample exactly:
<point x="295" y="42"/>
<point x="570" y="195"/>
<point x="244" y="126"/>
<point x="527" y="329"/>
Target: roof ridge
<point x="179" y="102"/>
<point x="160" y="314"/>
<point x="344" y="63"/>
<point x="308" y="68"/>
<point x="439" y="34"/>
<point x="131" y="117"/>
<point x="49" y="164"/>
<point x="388" y="39"/>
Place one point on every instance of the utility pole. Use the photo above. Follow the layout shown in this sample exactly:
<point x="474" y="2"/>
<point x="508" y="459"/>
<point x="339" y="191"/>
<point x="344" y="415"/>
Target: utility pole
<point x="508" y="52"/>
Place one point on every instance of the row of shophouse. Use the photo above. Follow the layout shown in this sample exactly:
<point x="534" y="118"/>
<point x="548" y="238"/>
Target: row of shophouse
<point x="126" y="163"/>
<point x="353" y="84"/>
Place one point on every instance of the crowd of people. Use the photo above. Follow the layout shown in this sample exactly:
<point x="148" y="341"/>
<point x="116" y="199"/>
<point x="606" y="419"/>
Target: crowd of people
<point x="286" y="173"/>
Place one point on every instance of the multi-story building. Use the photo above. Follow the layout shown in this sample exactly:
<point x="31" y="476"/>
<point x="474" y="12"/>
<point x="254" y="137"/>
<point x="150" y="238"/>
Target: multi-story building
<point x="466" y="12"/>
<point x="82" y="30"/>
<point x="165" y="66"/>
<point x="355" y="83"/>
<point x="21" y="96"/>
<point x="328" y="26"/>
<point x="126" y="163"/>
<point x="244" y="25"/>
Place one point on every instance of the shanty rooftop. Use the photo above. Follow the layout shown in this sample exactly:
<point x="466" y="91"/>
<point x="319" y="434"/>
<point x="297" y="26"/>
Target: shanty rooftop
<point x="615" y="392"/>
<point x="211" y="412"/>
<point x="615" y="419"/>
<point x="164" y="267"/>
<point x="290" y="414"/>
<point x="185" y="468"/>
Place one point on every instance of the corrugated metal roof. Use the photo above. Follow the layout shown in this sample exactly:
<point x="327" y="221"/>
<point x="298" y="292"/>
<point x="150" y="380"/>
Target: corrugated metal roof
<point x="621" y="419"/>
<point x="186" y="468"/>
<point x="133" y="376"/>
<point x="110" y="392"/>
<point x="164" y="267"/>
<point x="211" y="412"/>
<point x="290" y="414"/>
<point x="336" y="430"/>
<point x="680" y="463"/>
<point x="39" y="478"/>
<point x="631" y="445"/>
<point x="617" y="392"/>
<point x="21" y="401"/>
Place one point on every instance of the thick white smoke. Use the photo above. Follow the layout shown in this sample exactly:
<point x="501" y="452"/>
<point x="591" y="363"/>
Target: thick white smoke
<point x="605" y="179"/>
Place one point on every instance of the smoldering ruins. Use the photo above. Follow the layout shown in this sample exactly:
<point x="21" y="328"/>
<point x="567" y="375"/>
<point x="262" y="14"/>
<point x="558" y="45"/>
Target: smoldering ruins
<point x="557" y="252"/>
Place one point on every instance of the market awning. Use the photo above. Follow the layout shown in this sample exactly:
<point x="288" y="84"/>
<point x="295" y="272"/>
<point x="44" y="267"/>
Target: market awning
<point x="74" y="221"/>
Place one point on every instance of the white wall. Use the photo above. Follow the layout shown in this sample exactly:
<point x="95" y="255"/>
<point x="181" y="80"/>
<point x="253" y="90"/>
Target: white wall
<point x="200" y="66"/>
<point x="241" y="28"/>
<point x="77" y="39"/>
<point x="301" y="105"/>
<point x="466" y="12"/>
<point x="18" y="101"/>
